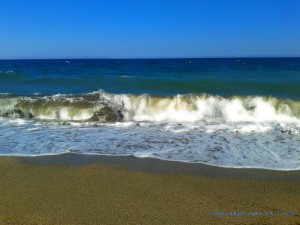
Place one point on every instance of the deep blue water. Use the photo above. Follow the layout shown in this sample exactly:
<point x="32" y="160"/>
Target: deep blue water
<point x="278" y="77"/>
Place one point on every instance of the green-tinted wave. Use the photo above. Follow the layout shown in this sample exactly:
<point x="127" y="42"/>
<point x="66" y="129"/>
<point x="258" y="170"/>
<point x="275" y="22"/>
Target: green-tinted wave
<point x="106" y="107"/>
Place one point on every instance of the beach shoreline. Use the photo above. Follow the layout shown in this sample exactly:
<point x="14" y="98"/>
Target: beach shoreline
<point x="91" y="189"/>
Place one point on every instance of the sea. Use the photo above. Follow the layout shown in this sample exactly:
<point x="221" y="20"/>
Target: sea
<point x="227" y="112"/>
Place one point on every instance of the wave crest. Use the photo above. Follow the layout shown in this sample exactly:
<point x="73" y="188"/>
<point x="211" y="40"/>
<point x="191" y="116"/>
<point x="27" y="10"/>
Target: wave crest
<point x="106" y="107"/>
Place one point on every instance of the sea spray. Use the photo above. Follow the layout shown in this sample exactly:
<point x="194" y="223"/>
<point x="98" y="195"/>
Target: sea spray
<point x="107" y="107"/>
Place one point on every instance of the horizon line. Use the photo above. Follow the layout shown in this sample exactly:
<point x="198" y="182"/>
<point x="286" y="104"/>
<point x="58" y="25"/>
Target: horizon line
<point x="143" y="58"/>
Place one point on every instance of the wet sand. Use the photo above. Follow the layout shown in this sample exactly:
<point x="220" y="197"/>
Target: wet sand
<point x="86" y="189"/>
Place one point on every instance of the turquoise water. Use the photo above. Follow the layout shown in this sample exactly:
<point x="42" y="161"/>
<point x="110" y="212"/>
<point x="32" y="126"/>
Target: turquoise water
<point x="225" y="112"/>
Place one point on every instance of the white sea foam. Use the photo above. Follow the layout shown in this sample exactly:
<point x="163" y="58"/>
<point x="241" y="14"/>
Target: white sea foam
<point x="179" y="108"/>
<point x="240" y="132"/>
<point x="238" y="145"/>
<point x="5" y="93"/>
<point x="125" y="76"/>
<point x="196" y="108"/>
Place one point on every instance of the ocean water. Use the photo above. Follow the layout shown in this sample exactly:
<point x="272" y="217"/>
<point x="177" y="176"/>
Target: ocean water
<point x="234" y="112"/>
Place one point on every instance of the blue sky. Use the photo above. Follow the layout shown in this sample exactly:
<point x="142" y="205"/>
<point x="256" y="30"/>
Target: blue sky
<point x="148" y="29"/>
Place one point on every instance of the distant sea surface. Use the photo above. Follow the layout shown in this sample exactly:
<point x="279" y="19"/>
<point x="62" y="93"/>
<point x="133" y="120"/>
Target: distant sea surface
<point x="230" y="112"/>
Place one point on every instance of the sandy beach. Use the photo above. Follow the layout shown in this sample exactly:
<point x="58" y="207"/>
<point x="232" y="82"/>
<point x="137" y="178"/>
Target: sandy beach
<point x="89" y="189"/>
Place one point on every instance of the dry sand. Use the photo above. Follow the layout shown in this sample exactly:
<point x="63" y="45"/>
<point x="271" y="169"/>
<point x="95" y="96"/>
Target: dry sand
<point x="76" y="189"/>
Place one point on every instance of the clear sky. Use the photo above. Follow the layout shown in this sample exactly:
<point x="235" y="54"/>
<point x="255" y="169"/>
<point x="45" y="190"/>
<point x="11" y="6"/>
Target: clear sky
<point x="148" y="28"/>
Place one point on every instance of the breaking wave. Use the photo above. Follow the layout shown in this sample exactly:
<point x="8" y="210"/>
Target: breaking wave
<point x="107" y="107"/>
<point x="232" y="131"/>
